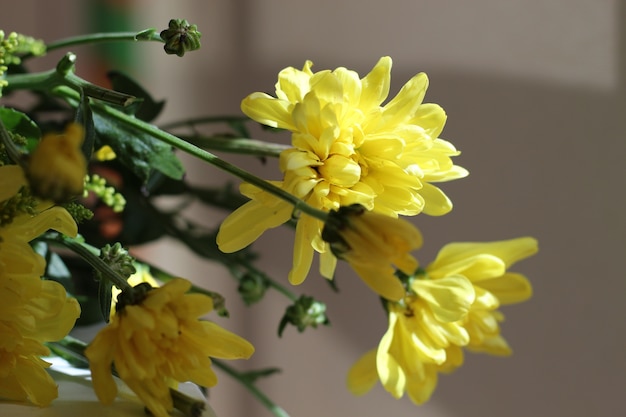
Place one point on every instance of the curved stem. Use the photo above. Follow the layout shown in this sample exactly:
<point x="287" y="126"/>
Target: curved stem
<point x="269" y="404"/>
<point x="145" y="35"/>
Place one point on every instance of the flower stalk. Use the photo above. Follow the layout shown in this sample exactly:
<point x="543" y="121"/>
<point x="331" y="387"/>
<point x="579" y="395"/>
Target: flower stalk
<point x="263" y="399"/>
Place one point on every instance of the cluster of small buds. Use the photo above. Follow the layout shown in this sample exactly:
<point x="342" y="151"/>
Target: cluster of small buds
<point x="109" y="196"/>
<point x="22" y="202"/>
<point x="118" y="259"/>
<point x="14" y="45"/>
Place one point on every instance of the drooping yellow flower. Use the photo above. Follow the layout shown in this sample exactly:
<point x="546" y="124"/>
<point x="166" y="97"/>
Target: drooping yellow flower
<point x="452" y="304"/>
<point x="57" y="167"/>
<point x="486" y="266"/>
<point x="159" y="339"/>
<point x="32" y="310"/>
<point x="374" y="245"/>
<point x="348" y="148"/>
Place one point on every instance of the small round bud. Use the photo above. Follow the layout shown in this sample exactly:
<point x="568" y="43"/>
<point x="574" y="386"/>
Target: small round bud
<point x="180" y="37"/>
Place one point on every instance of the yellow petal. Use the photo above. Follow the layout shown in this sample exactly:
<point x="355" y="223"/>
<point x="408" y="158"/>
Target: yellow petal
<point x="268" y="110"/>
<point x="389" y="371"/>
<point x="375" y="85"/>
<point x="381" y="279"/>
<point x="362" y="376"/>
<point x="225" y="344"/>
<point x="510" y="288"/>
<point x="449" y="298"/>
<point x="306" y="230"/>
<point x="510" y="251"/>
<point x="11" y="180"/>
<point x="249" y="222"/>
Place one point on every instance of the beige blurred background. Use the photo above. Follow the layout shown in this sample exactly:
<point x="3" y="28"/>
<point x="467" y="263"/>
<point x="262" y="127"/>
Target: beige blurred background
<point x="535" y="96"/>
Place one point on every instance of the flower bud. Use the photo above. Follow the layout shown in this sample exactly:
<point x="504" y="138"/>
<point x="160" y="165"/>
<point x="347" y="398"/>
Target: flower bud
<point x="180" y="37"/>
<point x="305" y="312"/>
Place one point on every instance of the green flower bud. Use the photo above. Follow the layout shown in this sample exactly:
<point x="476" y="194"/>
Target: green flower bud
<point x="303" y="313"/>
<point x="118" y="259"/>
<point x="252" y="288"/>
<point x="180" y="37"/>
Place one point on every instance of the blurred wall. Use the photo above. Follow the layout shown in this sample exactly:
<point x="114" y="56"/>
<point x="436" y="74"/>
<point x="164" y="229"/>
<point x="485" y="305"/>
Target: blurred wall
<point x="534" y="92"/>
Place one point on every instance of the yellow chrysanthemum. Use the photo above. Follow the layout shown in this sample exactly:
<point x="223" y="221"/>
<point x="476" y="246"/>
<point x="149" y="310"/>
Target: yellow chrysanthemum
<point x="452" y="304"/>
<point x="57" y="167"/>
<point x="374" y="245"/>
<point x="32" y="310"/>
<point x="486" y="266"/>
<point x="347" y="149"/>
<point x="160" y="339"/>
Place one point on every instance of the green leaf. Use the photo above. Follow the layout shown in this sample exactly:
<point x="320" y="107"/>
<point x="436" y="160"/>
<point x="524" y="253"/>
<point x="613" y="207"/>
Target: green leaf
<point x="138" y="151"/>
<point x="148" y="108"/>
<point x="18" y="123"/>
<point x="252" y="376"/>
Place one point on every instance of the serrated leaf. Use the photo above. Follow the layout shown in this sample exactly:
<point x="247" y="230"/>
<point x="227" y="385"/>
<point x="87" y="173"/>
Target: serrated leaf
<point x="19" y="123"/>
<point x="138" y="151"/>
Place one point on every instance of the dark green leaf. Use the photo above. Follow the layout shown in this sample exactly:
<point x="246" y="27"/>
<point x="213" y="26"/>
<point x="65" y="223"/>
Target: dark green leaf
<point x="252" y="376"/>
<point x="148" y="109"/>
<point x="138" y="151"/>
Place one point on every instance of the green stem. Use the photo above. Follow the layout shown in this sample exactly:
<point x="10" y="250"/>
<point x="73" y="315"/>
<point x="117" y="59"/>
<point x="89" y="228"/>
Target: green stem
<point x="270" y="282"/>
<point x="269" y="404"/>
<point x="243" y="146"/>
<point x="144" y="35"/>
<point x="63" y="75"/>
<point x="89" y="254"/>
<point x="204" y="120"/>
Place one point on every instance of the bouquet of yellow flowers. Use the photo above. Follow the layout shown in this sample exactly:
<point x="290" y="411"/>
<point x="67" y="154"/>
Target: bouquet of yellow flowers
<point x="82" y="169"/>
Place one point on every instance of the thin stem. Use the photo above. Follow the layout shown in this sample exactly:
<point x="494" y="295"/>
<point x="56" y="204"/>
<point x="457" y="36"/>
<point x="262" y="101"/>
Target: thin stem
<point x="270" y="282"/>
<point x="243" y="146"/>
<point x="269" y="404"/>
<point x="205" y="120"/>
<point x="88" y="254"/>
<point x="145" y="35"/>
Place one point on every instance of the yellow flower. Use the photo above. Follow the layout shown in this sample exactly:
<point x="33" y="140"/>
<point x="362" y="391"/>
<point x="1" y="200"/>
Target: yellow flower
<point x="159" y="339"/>
<point x="423" y="331"/>
<point x="486" y="266"/>
<point x="373" y="244"/>
<point x="451" y="305"/>
<point x="57" y="167"/>
<point x="347" y="149"/>
<point x="32" y="310"/>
